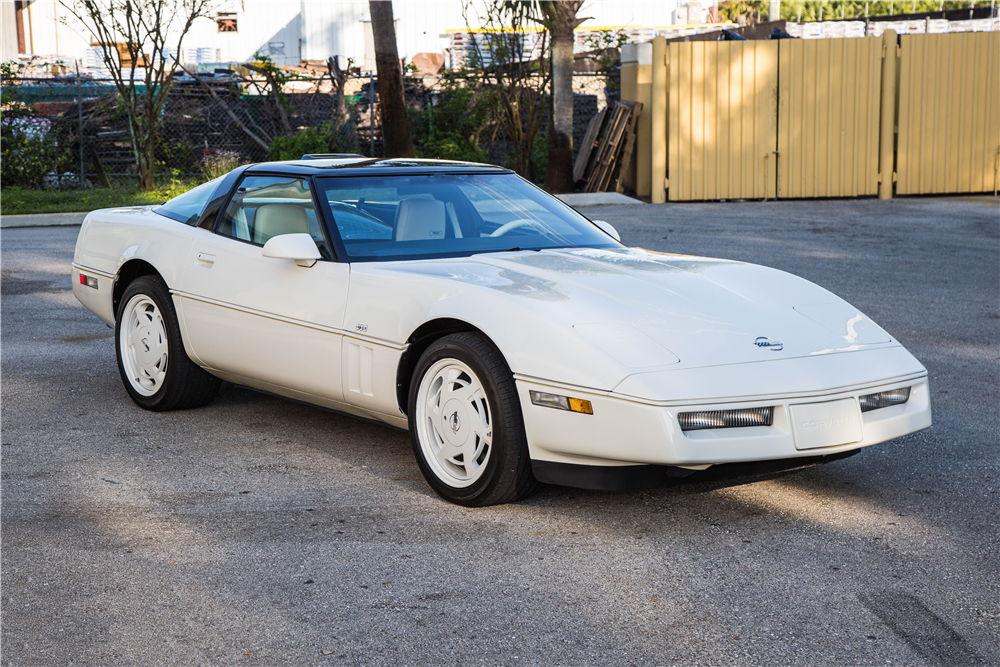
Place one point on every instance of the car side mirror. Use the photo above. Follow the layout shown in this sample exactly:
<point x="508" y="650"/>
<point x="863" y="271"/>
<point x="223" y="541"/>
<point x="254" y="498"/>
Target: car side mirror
<point x="608" y="229"/>
<point x="298" y="247"/>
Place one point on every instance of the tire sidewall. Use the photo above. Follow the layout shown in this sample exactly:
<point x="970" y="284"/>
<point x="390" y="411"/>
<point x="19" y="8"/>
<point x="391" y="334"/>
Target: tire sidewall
<point x="505" y="436"/>
<point x="157" y="292"/>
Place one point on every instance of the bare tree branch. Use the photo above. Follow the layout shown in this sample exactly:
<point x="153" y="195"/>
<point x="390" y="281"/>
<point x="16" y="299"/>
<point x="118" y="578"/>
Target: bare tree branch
<point x="263" y="142"/>
<point x="138" y="29"/>
<point x="276" y="91"/>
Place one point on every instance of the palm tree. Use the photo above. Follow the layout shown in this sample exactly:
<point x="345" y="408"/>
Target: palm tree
<point x="559" y="19"/>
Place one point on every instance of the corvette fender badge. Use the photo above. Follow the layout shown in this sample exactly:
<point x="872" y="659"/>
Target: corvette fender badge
<point x="768" y="344"/>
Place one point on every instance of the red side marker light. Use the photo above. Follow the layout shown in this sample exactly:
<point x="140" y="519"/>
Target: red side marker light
<point x="88" y="281"/>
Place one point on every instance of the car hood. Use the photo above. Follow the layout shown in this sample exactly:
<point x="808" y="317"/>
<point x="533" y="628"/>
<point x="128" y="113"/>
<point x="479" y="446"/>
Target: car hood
<point x="650" y="310"/>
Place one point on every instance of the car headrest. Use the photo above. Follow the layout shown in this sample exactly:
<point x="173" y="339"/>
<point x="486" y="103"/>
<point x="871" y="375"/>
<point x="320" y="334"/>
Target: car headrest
<point x="276" y="219"/>
<point x="420" y="219"/>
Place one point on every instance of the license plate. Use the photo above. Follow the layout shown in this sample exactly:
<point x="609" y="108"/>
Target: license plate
<point x="826" y="424"/>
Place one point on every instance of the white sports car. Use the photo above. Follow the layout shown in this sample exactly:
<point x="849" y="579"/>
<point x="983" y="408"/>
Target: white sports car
<point x="515" y="339"/>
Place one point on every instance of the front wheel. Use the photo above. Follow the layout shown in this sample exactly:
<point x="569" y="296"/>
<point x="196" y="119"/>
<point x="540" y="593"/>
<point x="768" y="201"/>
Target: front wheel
<point x="155" y="369"/>
<point x="466" y="424"/>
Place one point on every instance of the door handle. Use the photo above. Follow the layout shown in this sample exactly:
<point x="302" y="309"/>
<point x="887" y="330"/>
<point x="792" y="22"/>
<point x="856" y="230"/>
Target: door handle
<point x="206" y="260"/>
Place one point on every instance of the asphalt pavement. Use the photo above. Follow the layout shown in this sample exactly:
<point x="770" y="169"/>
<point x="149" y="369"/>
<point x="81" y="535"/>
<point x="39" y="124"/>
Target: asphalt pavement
<point x="257" y="531"/>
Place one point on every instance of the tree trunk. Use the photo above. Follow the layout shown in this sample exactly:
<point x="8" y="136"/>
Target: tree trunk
<point x="147" y="177"/>
<point x="396" y="139"/>
<point x="339" y="79"/>
<point x="561" y="21"/>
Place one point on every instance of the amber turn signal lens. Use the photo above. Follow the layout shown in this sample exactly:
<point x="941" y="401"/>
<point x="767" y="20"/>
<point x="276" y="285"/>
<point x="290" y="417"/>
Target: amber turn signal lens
<point x="561" y="402"/>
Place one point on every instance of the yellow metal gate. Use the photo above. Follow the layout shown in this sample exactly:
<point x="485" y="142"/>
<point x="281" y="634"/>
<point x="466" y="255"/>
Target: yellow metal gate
<point x="828" y="117"/>
<point x="722" y="120"/>
<point x="949" y="113"/>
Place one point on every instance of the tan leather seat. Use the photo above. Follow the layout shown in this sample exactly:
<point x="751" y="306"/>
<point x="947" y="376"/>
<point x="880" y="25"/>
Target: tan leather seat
<point x="276" y="219"/>
<point x="420" y="220"/>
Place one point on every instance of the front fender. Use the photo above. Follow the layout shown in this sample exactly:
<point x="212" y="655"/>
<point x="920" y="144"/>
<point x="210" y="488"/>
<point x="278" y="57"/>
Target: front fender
<point x="518" y="318"/>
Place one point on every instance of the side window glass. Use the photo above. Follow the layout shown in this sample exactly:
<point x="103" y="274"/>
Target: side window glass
<point x="187" y="207"/>
<point x="267" y="206"/>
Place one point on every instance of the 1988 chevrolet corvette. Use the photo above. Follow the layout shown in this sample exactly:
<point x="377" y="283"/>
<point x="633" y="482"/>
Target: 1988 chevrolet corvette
<point x="518" y="341"/>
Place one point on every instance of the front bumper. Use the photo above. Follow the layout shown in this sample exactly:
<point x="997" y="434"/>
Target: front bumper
<point x="627" y="430"/>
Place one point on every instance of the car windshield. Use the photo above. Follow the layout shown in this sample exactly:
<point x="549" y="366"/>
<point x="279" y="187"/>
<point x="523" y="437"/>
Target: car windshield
<point x="187" y="207"/>
<point x="406" y="217"/>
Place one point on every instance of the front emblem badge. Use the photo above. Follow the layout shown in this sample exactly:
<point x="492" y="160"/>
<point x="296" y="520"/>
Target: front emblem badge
<point x="768" y="344"/>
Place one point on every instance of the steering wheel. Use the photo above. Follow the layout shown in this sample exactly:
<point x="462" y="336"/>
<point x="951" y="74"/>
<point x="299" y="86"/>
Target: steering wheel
<point x="514" y="224"/>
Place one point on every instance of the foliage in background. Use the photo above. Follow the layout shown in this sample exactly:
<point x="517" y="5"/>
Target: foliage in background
<point x="27" y="152"/>
<point x="176" y="157"/>
<point x="751" y="13"/>
<point x="451" y="129"/>
<point x="559" y="19"/>
<point x="134" y="38"/>
<point x="330" y="137"/>
<point x="540" y="152"/>
<point x="276" y="78"/>
<point x="512" y="87"/>
<point x="18" y="201"/>
<point x="605" y="45"/>
<point x="215" y="163"/>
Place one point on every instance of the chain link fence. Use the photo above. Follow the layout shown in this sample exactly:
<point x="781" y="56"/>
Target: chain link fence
<point x="219" y="115"/>
<point x="87" y="121"/>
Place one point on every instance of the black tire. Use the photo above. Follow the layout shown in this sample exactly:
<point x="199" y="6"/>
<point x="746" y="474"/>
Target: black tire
<point x="175" y="382"/>
<point x="506" y="473"/>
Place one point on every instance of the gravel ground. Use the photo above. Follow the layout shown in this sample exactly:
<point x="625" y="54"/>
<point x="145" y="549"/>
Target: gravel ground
<point x="257" y="531"/>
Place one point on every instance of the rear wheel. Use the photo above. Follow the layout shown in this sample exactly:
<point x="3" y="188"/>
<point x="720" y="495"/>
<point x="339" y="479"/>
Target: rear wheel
<point x="466" y="424"/>
<point x="155" y="369"/>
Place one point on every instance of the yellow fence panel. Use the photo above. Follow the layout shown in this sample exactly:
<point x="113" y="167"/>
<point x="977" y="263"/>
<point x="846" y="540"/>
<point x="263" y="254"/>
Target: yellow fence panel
<point x="949" y="113"/>
<point x="722" y="120"/>
<point x="828" y="117"/>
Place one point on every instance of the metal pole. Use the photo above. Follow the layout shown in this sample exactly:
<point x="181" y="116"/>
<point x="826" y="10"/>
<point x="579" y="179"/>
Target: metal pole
<point x="79" y="121"/>
<point x="371" y="114"/>
<point x="887" y="126"/>
<point x="658" y="114"/>
<point x="774" y="10"/>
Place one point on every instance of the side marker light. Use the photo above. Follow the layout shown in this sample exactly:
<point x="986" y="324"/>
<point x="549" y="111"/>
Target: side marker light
<point x="547" y="400"/>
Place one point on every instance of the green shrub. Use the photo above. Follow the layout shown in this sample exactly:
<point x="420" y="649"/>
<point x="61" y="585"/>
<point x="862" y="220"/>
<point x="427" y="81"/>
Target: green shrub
<point x="217" y="163"/>
<point x="28" y="153"/>
<point x="330" y="137"/>
<point x="450" y="130"/>
<point x="28" y="150"/>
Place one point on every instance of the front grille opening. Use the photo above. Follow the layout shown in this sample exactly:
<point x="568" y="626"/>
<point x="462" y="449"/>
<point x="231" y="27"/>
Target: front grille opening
<point x="884" y="399"/>
<point x="696" y="421"/>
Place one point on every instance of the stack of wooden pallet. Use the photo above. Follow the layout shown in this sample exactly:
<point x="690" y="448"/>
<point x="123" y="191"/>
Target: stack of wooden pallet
<point x="607" y="148"/>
